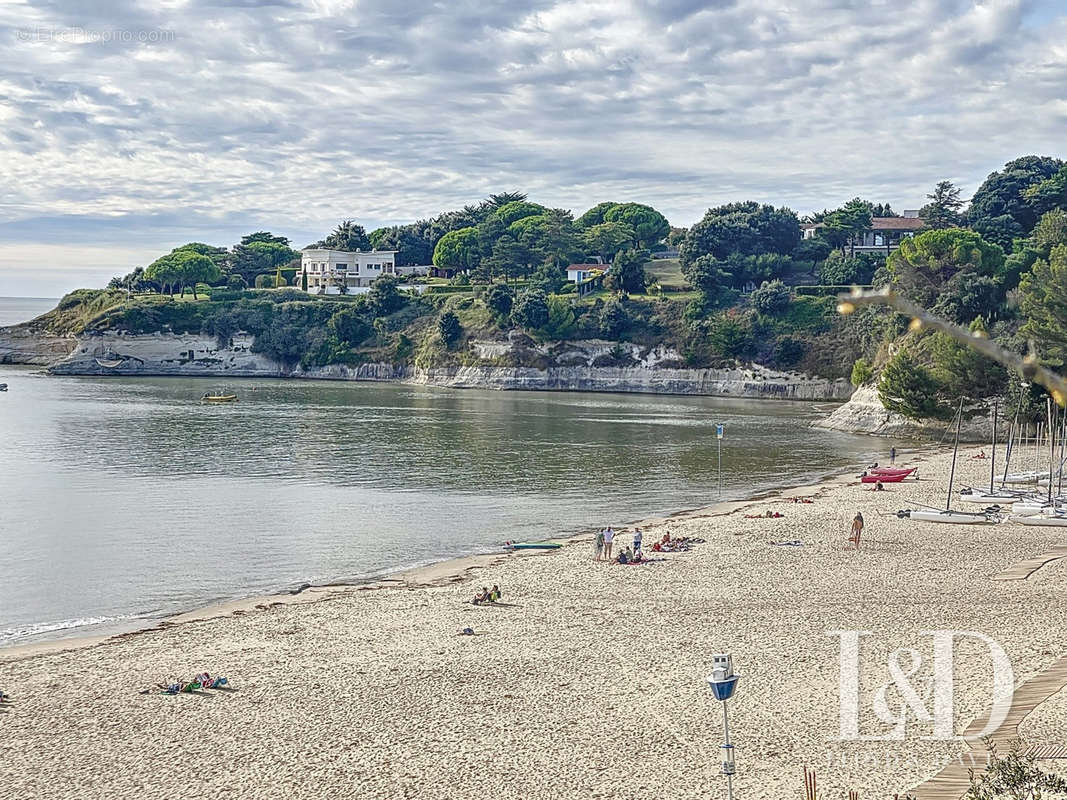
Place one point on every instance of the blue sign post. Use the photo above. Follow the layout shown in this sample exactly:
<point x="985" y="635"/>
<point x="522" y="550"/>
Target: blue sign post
<point x="718" y="436"/>
<point x="723" y="683"/>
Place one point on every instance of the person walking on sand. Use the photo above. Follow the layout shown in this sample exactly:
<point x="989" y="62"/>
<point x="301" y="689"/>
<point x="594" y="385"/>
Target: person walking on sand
<point x="892" y="455"/>
<point x="637" y="541"/>
<point x="598" y="546"/>
<point x="857" y="529"/>
<point x="609" y="537"/>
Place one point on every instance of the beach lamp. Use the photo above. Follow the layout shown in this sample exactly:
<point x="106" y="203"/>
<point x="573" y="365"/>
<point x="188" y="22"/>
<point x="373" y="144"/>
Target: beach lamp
<point x="723" y="683"/>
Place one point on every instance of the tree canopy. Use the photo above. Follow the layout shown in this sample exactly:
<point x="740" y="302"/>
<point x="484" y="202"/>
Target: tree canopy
<point x="954" y="270"/>
<point x="1043" y="298"/>
<point x="457" y="250"/>
<point x="943" y="210"/>
<point x="517" y="209"/>
<point x="746" y="228"/>
<point x="648" y="225"/>
<point x="1001" y="210"/>
<point x="346" y="236"/>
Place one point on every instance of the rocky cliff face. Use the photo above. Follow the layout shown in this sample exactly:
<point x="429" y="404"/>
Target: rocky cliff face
<point x="864" y="413"/>
<point x="21" y="345"/>
<point x="572" y="366"/>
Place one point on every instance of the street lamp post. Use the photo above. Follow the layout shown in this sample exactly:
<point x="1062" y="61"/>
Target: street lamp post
<point x="723" y="683"/>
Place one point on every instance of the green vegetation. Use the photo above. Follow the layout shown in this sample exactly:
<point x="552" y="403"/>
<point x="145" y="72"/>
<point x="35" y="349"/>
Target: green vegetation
<point x="746" y="286"/>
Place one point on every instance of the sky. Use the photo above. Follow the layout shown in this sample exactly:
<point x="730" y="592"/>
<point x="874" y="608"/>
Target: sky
<point x="127" y="128"/>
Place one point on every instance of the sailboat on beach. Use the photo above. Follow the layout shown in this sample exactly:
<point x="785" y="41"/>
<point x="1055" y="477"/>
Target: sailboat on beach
<point x="947" y="515"/>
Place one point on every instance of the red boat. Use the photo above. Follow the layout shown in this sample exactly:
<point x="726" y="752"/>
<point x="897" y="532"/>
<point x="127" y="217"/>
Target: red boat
<point x="882" y="478"/>
<point x="890" y="471"/>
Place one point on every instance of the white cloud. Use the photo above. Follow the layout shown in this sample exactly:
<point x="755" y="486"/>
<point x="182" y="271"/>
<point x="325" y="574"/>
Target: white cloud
<point x="197" y="118"/>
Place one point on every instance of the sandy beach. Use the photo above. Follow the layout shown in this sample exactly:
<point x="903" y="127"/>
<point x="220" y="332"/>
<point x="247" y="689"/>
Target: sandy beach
<point x="588" y="683"/>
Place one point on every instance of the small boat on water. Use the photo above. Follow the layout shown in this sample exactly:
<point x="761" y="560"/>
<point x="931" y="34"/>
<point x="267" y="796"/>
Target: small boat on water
<point x="110" y="363"/>
<point x="3" y="387"/>
<point x="218" y="398"/>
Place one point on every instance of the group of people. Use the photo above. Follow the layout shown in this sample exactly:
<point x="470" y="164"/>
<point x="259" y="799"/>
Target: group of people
<point x="605" y="542"/>
<point x="487" y="595"/>
<point x="768" y="514"/>
<point x="675" y="545"/>
<point x="198" y="683"/>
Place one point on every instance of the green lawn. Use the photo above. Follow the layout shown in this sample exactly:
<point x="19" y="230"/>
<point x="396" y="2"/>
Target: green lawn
<point x="668" y="271"/>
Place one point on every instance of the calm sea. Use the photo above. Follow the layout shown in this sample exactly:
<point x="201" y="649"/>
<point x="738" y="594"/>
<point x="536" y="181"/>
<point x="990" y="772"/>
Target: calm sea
<point x="124" y="499"/>
<point x="23" y="309"/>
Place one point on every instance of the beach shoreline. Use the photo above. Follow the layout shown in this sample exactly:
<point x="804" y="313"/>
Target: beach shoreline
<point x="438" y="573"/>
<point x="374" y="693"/>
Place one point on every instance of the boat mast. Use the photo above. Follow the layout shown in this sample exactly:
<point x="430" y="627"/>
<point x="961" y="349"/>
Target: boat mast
<point x="1060" y="476"/>
<point x="993" y="451"/>
<point x="1051" y="447"/>
<point x="1013" y="429"/>
<point x="955" y="450"/>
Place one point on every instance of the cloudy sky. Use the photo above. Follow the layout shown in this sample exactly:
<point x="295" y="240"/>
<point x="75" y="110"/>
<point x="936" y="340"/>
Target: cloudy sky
<point x="127" y="127"/>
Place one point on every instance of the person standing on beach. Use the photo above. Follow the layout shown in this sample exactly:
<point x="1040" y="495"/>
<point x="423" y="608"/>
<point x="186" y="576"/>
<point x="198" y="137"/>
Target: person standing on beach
<point x="857" y="529"/>
<point x="892" y="455"/>
<point x="598" y="545"/>
<point x="609" y="536"/>
<point x="637" y="542"/>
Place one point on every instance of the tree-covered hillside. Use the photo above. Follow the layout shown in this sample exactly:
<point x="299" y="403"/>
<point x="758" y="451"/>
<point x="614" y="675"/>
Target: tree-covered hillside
<point x="745" y="285"/>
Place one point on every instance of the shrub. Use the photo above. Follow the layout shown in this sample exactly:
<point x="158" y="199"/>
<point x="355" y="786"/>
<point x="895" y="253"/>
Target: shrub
<point x="225" y="295"/>
<point x="349" y="326"/>
<point x="771" y="297"/>
<point x="789" y="351"/>
<point x="731" y="336"/>
<point x="449" y="327"/>
<point x="265" y="281"/>
<point x="236" y="282"/>
<point x="811" y="250"/>
<point x="907" y="388"/>
<point x="499" y="299"/>
<point x="531" y="309"/>
<point x="841" y="270"/>
<point x="384" y="296"/>
<point x="614" y="320"/>
<point x="861" y="372"/>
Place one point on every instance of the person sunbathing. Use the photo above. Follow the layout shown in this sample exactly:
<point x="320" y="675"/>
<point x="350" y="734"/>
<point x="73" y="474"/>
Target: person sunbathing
<point x="482" y="596"/>
<point x="495" y="594"/>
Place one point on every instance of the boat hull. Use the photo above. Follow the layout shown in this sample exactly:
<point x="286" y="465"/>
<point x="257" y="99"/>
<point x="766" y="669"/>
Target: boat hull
<point x="989" y="499"/>
<point x="882" y="478"/>
<point x="1050" y="522"/>
<point x="890" y="471"/>
<point x="950" y="517"/>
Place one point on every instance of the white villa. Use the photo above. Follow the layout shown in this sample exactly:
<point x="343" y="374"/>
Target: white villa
<point x="579" y="273"/>
<point x="327" y="271"/>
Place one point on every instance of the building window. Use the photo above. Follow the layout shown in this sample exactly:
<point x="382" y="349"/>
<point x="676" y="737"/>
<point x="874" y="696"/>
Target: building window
<point x="342" y="267"/>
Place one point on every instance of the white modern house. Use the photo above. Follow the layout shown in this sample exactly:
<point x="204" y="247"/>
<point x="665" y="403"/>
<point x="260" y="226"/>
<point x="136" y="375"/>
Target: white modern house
<point x="579" y="273"/>
<point x="327" y="271"/>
